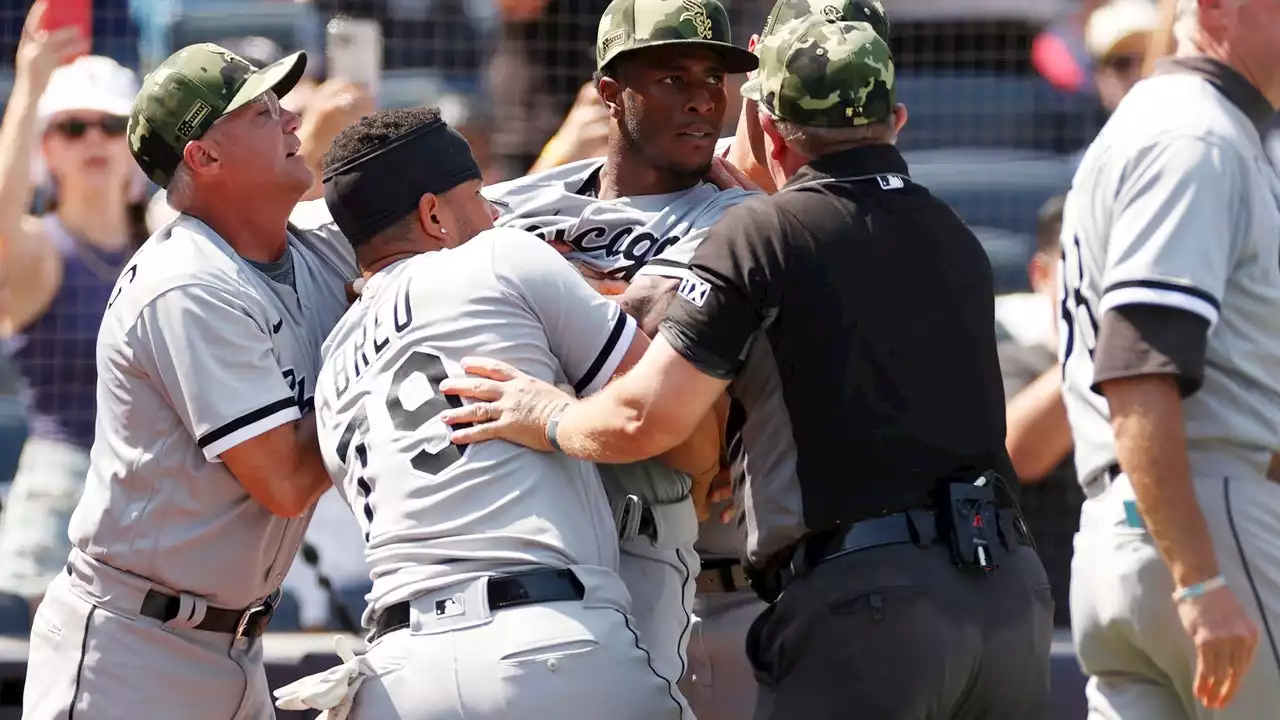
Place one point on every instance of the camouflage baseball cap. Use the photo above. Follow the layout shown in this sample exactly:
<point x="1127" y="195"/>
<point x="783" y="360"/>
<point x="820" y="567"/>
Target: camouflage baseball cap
<point x="824" y="74"/>
<point x="629" y="25"/>
<point x="181" y="99"/>
<point x="867" y="11"/>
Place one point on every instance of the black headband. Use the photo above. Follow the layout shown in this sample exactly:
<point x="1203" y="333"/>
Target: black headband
<point x="369" y="192"/>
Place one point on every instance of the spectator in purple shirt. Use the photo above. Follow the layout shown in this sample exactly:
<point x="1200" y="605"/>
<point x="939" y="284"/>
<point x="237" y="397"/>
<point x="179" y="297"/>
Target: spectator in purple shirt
<point x="65" y="123"/>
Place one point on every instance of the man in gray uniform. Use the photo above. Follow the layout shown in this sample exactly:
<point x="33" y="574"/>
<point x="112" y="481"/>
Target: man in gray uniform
<point x="1171" y="286"/>
<point x="636" y="217"/>
<point x="205" y="467"/>
<point x="497" y="567"/>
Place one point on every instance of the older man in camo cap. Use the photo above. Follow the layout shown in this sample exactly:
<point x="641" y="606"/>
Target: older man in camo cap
<point x="745" y="149"/>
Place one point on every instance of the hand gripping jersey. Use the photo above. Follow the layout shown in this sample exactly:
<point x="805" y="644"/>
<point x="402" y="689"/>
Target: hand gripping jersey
<point x="625" y="237"/>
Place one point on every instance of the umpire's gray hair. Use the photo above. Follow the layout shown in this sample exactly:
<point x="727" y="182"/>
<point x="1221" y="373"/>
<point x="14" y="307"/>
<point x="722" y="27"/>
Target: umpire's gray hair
<point x="818" y="141"/>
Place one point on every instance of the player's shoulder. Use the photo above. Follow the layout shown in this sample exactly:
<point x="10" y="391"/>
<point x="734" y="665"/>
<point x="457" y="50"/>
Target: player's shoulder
<point x="1142" y="128"/>
<point x="314" y="227"/>
<point x="559" y="180"/>
<point x="185" y="251"/>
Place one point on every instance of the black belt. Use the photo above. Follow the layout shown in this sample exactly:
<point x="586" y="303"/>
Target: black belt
<point x="504" y="591"/>
<point x="1102" y="480"/>
<point x="250" y="622"/>
<point x="918" y="527"/>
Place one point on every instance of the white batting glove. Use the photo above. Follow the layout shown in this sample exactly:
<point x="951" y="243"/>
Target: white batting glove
<point x="332" y="691"/>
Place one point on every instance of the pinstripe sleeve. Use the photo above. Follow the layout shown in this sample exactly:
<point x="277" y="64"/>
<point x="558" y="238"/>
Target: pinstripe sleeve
<point x="1175" y="222"/>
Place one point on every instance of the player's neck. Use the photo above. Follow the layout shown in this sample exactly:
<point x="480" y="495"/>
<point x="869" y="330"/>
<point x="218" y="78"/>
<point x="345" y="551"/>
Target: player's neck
<point x="1260" y="75"/>
<point x="259" y="236"/>
<point x="624" y="176"/>
<point x="741" y="157"/>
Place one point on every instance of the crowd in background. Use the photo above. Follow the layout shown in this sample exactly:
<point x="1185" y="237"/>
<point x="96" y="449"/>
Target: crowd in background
<point x="1003" y="97"/>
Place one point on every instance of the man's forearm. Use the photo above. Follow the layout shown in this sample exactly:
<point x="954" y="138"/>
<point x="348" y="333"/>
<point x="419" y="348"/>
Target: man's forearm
<point x="1146" y="415"/>
<point x="1038" y="437"/>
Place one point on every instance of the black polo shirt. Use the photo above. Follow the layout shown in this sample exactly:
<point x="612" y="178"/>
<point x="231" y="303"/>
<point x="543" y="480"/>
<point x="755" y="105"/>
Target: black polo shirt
<point x="854" y="313"/>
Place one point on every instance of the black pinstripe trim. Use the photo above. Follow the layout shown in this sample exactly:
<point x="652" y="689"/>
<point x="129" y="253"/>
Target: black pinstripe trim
<point x="663" y="262"/>
<point x="648" y="658"/>
<point x="1183" y="288"/>
<point x="688" y="613"/>
<point x="619" y="324"/>
<point x="1248" y="574"/>
<point x="245" y="420"/>
<point x="84" y="650"/>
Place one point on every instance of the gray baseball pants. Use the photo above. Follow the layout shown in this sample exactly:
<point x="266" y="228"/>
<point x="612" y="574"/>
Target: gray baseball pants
<point x="93" y="656"/>
<point x="1129" y="640"/>
<point x="578" y="660"/>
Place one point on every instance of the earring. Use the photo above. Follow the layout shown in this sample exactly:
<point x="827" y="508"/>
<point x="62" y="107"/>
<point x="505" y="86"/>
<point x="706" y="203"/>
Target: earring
<point x="444" y="231"/>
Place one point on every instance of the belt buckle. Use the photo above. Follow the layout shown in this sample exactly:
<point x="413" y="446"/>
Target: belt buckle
<point x="254" y="620"/>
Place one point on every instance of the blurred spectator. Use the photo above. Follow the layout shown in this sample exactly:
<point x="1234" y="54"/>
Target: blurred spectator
<point x="543" y="56"/>
<point x="583" y="134"/>
<point x="1038" y="436"/>
<point x="1058" y="52"/>
<point x="421" y="33"/>
<point x="114" y="33"/>
<point x="1117" y="36"/>
<point x="65" y="123"/>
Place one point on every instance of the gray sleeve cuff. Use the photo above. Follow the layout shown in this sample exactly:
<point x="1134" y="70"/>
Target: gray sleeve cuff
<point x="1136" y="340"/>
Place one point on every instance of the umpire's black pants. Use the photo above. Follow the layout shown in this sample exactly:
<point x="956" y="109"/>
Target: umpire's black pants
<point x="899" y="633"/>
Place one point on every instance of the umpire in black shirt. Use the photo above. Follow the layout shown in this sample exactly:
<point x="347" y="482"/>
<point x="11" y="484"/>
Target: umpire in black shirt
<point x="850" y="316"/>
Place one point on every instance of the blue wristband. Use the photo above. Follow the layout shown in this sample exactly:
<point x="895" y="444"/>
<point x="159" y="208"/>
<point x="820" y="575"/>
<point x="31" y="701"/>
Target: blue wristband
<point x="1199" y="589"/>
<point x="552" y="425"/>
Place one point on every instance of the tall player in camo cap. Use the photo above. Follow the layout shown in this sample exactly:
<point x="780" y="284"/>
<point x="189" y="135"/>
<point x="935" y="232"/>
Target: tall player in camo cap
<point x="637" y="216"/>
<point x="205" y="463"/>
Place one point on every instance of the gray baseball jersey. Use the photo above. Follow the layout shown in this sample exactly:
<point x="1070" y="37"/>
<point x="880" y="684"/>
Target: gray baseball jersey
<point x="1177" y="209"/>
<point x="435" y="514"/>
<point x="626" y="237"/>
<point x="197" y="353"/>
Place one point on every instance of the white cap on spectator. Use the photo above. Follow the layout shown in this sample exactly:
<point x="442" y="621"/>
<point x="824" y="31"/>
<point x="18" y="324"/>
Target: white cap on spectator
<point x="90" y="82"/>
<point x="1117" y="20"/>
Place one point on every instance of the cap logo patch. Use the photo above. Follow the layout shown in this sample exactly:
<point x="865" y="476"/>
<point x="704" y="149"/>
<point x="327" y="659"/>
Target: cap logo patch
<point x="198" y="112"/>
<point x="695" y="13"/>
<point x="611" y="41"/>
<point x="832" y="13"/>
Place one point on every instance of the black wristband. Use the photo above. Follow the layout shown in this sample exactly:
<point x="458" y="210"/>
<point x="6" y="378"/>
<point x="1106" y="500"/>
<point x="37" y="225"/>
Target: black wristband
<point x="553" y="424"/>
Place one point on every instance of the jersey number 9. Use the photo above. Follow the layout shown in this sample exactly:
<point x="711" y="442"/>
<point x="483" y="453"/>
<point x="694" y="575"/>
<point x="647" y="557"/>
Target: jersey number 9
<point x="430" y="458"/>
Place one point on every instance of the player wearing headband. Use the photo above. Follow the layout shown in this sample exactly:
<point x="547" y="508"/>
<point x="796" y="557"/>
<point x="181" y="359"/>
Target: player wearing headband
<point x="495" y="585"/>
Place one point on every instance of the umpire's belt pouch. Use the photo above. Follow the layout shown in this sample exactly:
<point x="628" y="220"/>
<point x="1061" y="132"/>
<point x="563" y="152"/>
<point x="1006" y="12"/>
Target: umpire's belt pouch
<point x="969" y="525"/>
<point x="676" y="524"/>
<point x="459" y="606"/>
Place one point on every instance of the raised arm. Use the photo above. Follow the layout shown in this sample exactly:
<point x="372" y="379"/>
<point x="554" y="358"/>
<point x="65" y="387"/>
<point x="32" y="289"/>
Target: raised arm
<point x="32" y="272"/>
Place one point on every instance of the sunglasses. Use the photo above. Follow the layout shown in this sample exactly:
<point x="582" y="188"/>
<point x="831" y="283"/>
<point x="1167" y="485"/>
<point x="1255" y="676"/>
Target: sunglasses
<point x="1123" y="64"/>
<point x="76" y="128"/>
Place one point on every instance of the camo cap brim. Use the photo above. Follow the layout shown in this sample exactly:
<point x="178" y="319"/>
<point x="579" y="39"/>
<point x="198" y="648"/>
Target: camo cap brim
<point x="630" y="25"/>
<point x="824" y="74"/>
<point x="183" y="97"/>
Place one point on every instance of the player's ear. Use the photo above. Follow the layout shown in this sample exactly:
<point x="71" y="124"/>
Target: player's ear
<point x="775" y="145"/>
<point x="429" y="219"/>
<point x="899" y="117"/>
<point x="200" y="156"/>
<point x="611" y="95"/>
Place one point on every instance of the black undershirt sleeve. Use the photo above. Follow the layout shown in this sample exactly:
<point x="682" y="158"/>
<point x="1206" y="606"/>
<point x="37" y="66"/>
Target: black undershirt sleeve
<point x="1136" y="340"/>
